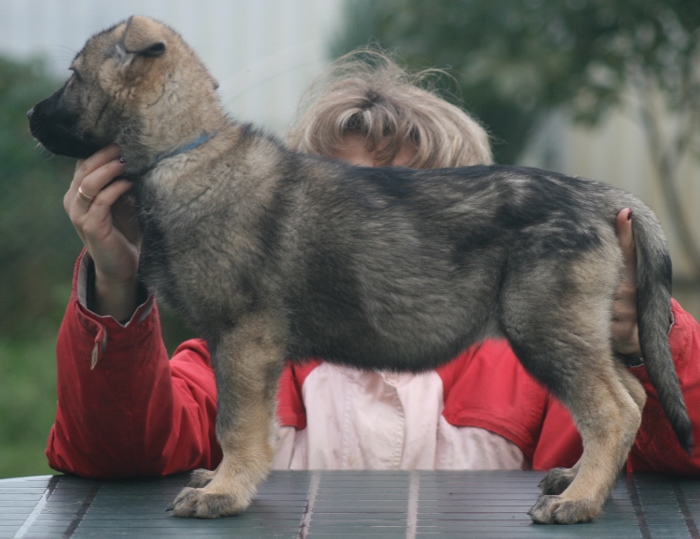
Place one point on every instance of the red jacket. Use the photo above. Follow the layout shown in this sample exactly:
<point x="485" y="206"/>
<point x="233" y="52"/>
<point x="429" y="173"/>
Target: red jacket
<point x="137" y="413"/>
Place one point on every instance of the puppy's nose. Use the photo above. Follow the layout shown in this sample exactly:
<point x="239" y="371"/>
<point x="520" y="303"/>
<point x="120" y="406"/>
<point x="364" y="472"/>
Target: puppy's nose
<point x="30" y="112"/>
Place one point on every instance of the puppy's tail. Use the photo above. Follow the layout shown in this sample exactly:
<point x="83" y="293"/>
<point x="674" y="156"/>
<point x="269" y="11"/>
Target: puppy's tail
<point x="654" y="320"/>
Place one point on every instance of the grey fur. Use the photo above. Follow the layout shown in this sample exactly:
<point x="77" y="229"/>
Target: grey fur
<point x="272" y="254"/>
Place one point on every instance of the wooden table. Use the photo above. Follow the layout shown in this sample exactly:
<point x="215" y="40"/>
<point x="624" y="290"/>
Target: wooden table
<point x="345" y="505"/>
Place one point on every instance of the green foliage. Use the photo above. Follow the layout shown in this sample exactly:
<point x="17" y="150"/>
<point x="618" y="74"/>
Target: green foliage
<point x="37" y="243"/>
<point x="38" y="249"/>
<point x="516" y="59"/>
<point x="27" y="405"/>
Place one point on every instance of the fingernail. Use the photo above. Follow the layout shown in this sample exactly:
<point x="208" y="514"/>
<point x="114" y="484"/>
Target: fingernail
<point x="122" y="160"/>
<point x="629" y="215"/>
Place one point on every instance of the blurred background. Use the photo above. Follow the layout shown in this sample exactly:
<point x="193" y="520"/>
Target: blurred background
<point x="606" y="89"/>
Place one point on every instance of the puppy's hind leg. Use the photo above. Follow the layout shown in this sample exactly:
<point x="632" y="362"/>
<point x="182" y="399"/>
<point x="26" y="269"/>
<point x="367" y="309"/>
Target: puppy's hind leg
<point x="559" y="479"/>
<point x="608" y="418"/>
<point x="247" y="363"/>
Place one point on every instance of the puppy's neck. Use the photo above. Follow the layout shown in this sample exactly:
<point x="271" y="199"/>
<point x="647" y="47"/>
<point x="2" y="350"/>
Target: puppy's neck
<point x="187" y="147"/>
<point x="141" y="159"/>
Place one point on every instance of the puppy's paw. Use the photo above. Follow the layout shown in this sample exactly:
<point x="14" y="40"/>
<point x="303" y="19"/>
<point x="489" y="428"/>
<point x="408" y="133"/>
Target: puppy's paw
<point x="557" y="480"/>
<point x="201" y="478"/>
<point x="198" y="503"/>
<point x="557" y="510"/>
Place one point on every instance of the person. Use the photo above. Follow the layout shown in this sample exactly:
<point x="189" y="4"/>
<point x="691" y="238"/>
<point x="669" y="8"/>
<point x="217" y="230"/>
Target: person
<point x="126" y="409"/>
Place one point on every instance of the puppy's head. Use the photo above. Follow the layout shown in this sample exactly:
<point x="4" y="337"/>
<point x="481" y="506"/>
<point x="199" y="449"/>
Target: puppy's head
<point x="137" y="84"/>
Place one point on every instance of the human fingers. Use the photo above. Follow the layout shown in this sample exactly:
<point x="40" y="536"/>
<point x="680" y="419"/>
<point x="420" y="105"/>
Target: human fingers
<point x="85" y="189"/>
<point x="124" y="216"/>
<point x="107" y="199"/>
<point x="110" y="206"/>
<point x="625" y="236"/>
<point x="83" y="167"/>
<point x="97" y="212"/>
<point x="624" y="328"/>
<point x="114" y="253"/>
<point x="98" y="179"/>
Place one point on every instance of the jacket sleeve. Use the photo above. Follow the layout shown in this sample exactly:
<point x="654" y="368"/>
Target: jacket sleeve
<point x="656" y="447"/>
<point x="123" y="408"/>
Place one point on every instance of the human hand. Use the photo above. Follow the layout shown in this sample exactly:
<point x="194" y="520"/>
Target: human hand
<point x="625" y="333"/>
<point x="105" y="222"/>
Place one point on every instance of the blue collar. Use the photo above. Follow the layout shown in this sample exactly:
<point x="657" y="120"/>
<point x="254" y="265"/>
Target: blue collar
<point x="196" y="143"/>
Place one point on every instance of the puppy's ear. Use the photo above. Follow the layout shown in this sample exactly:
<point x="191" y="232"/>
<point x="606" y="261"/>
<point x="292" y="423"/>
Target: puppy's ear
<point x="144" y="37"/>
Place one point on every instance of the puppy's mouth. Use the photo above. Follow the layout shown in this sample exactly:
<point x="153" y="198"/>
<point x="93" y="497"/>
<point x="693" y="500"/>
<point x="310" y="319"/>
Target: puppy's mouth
<point x="59" y="137"/>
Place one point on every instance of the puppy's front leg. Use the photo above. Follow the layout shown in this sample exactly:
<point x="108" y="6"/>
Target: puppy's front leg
<point x="558" y="479"/>
<point x="247" y="363"/>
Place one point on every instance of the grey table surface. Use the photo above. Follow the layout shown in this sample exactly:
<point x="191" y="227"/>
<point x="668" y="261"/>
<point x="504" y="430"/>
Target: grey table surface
<point x="345" y="504"/>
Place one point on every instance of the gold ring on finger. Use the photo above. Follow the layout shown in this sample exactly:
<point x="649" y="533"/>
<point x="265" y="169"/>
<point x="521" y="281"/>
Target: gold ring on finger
<point x="82" y="194"/>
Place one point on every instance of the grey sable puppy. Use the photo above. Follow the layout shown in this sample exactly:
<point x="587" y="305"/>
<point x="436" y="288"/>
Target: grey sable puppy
<point x="271" y="254"/>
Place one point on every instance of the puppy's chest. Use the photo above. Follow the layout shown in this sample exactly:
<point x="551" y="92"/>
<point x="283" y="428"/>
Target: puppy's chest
<point x="166" y="225"/>
<point x="168" y="200"/>
<point x="184" y="222"/>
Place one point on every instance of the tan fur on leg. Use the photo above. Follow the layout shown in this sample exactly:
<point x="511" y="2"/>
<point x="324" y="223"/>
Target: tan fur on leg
<point x="608" y="430"/>
<point x="248" y="364"/>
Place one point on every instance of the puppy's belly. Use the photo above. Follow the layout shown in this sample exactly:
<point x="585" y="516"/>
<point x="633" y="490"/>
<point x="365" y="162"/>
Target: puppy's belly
<point x="355" y="341"/>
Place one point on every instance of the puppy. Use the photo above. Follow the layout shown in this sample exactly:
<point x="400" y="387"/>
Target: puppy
<point x="271" y="254"/>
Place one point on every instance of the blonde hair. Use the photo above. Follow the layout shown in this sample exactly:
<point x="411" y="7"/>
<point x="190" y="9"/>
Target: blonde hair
<point x="366" y="93"/>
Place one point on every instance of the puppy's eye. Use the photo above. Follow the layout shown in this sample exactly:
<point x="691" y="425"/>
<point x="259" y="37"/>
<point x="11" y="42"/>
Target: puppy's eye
<point x="76" y="75"/>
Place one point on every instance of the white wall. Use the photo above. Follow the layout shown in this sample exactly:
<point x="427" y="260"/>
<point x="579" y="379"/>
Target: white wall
<point x="617" y="152"/>
<point x="263" y="52"/>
